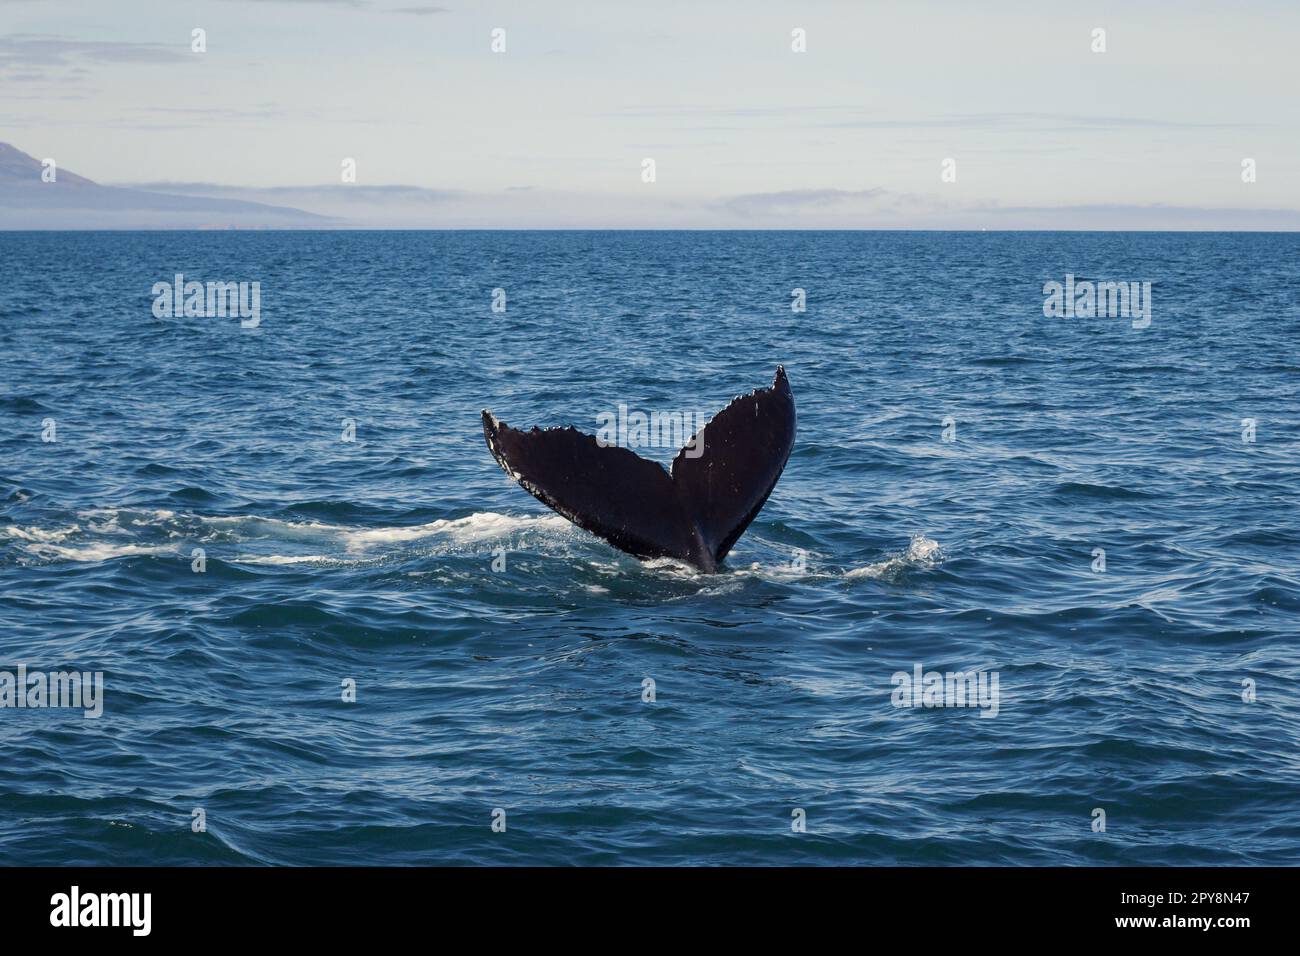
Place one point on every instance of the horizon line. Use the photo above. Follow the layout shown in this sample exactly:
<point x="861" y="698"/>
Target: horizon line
<point x="219" y="228"/>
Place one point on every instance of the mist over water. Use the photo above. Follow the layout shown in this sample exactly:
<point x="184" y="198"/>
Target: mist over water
<point x="885" y="545"/>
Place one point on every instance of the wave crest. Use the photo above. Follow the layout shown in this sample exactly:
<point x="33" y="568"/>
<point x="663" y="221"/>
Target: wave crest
<point x="922" y="553"/>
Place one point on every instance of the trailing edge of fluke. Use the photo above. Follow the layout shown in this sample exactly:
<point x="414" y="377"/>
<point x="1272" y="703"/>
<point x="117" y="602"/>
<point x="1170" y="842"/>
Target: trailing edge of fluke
<point x="694" y="513"/>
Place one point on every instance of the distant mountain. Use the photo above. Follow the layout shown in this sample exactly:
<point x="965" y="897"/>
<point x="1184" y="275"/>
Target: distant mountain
<point x="74" y="202"/>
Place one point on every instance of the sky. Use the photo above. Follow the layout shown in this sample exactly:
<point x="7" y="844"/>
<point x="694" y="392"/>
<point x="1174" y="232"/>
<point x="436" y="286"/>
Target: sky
<point x="744" y="132"/>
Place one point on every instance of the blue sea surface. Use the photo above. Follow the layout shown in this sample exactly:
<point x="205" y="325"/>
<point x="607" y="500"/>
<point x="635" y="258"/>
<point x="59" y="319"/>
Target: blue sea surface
<point x="960" y="460"/>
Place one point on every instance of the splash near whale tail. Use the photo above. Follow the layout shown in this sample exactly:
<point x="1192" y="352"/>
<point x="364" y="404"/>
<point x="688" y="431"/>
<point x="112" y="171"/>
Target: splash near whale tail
<point x="696" y="512"/>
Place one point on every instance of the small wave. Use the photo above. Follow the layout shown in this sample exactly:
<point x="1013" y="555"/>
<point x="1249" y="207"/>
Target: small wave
<point x="1085" y="489"/>
<point x="286" y="559"/>
<point x="18" y="496"/>
<point x="22" y="404"/>
<point x="1001" y="361"/>
<point x="921" y="553"/>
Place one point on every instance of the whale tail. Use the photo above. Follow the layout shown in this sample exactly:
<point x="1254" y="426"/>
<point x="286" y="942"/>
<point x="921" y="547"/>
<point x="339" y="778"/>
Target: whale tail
<point x="694" y="513"/>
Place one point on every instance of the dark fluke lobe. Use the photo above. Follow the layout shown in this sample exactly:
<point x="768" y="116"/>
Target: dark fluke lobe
<point x="696" y="513"/>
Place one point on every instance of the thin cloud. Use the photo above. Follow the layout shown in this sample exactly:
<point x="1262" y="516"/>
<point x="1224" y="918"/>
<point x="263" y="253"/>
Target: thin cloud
<point x="847" y="117"/>
<point x="795" y="200"/>
<point x="1037" y="122"/>
<point x="45" y="50"/>
<point x="1131" y="216"/>
<point x="323" y="3"/>
<point x="208" y="113"/>
<point x="333" y="193"/>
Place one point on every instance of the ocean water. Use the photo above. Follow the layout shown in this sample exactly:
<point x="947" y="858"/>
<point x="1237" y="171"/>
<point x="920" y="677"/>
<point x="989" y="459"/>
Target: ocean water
<point x="960" y="459"/>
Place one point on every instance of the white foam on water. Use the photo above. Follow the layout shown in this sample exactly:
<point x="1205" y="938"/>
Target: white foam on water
<point x="97" y="552"/>
<point x="284" y="559"/>
<point x="127" y="532"/>
<point x="476" y="528"/>
<point x="124" y="532"/>
<point x="922" y="552"/>
<point x="39" y="535"/>
<point x="672" y="567"/>
<point x="106" y="527"/>
<point x="788" y="572"/>
<point x="133" y="515"/>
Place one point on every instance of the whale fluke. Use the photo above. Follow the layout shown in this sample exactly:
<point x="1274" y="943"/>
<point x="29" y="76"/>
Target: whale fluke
<point x="694" y="513"/>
